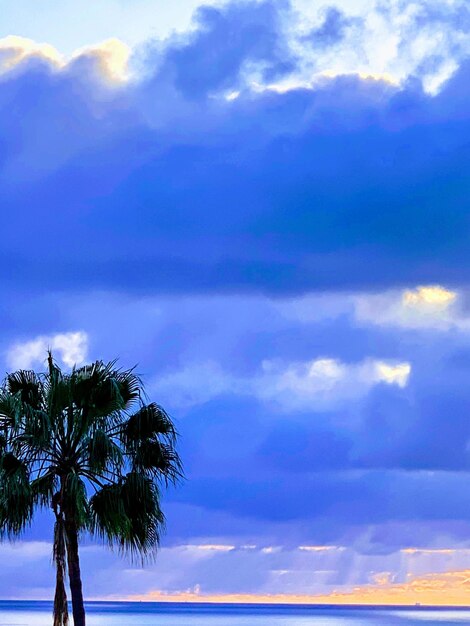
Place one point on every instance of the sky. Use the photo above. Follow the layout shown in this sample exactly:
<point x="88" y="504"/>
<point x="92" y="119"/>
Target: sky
<point x="263" y="206"/>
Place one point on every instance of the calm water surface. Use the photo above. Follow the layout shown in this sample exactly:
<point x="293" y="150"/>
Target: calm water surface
<point x="149" y="614"/>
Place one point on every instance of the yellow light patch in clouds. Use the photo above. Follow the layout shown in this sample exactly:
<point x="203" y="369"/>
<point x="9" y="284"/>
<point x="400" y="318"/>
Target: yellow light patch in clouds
<point x="429" y="296"/>
<point x="112" y="56"/>
<point x="14" y="50"/>
<point x="430" y="551"/>
<point x="393" y="374"/>
<point x="424" y="306"/>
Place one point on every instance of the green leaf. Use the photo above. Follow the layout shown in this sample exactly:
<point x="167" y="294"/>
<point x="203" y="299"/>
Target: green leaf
<point x="27" y="385"/>
<point x="149" y="421"/>
<point x="16" y="501"/>
<point x="109" y="517"/>
<point x="103" y="451"/>
<point x="75" y="500"/>
<point x="158" y="459"/>
<point x="43" y="489"/>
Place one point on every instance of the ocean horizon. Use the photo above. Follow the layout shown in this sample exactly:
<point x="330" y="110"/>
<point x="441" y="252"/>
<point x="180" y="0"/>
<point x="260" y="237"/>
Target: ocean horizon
<point x="117" y="613"/>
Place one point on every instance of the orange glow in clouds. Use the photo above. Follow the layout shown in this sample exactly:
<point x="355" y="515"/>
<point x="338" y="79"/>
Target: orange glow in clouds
<point x="448" y="589"/>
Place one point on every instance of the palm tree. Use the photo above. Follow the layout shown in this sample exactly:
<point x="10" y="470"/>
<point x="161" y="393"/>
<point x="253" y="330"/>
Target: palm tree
<point x="85" y="445"/>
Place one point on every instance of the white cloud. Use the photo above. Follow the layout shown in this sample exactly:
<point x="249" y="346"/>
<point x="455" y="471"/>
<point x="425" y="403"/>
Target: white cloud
<point x="209" y="547"/>
<point x="325" y="383"/>
<point x="320" y="383"/>
<point x="430" y="306"/>
<point x="389" y="40"/>
<point x="71" y="348"/>
<point x="14" y="50"/>
<point x="112" y="55"/>
<point x="422" y="307"/>
<point x="321" y="548"/>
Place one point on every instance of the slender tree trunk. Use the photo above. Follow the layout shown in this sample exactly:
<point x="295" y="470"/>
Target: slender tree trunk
<point x="75" y="578"/>
<point x="61" y="611"/>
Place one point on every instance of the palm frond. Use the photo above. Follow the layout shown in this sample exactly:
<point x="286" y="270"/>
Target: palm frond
<point x="57" y="390"/>
<point x="27" y="385"/>
<point x="37" y="428"/>
<point x="109" y="519"/>
<point x="103" y="451"/>
<point x="96" y="390"/>
<point x="149" y="421"/>
<point x="75" y="499"/>
<point x="159" y="460"/>
<point x="43" y="488"/>
<point x="128" y="515"/>
<point x="11" y="409"/>
<point x="130" y="386"/>
<point x="16" y="500"/>
<point x="141" y="499"/>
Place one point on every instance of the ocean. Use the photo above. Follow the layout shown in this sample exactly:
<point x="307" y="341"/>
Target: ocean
<point x="13" y="613"/>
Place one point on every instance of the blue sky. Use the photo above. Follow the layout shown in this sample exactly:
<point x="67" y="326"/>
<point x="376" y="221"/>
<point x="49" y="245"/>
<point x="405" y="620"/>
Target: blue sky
<point x="264" y="205"/>
<point x="68" y="27"/>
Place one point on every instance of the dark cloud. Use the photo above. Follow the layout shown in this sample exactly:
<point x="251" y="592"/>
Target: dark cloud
<point x="161" y="186"/>
<point x="226" y="41"/>
<point x="342" y="499"/>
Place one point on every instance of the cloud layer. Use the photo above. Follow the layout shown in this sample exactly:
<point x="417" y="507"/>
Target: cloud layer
<point x="282" y="246"/>
<point x="164" y="184"/>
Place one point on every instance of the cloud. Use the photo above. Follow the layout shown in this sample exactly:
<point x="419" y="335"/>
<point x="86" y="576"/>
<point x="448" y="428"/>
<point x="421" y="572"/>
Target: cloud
<point x="443" y="589"/>
<point x="356" y="461"/>
<point x="112" y="57"/>
<point x="15" y="50"/>
<point x="425" y="307"/>
<point x="302" y="574"/>
<point x="188" y="387"/>
<point x="320" y="383"/>
<point x="333" y="28"/>
<point x="299" y="575"/>
<point x="246" y="37"/>
<point x="338" y="503"/>
<point x="71" y="348"/>
<point x="109" y="57"/>
<point x="434" y="296"/>
<point x="162" y="184"/>
<point x="283" y="249"/>
<point x="20" y="553"/>
<point x="325" y="382"/>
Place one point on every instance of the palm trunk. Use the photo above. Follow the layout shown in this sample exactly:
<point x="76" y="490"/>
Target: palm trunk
<point x="61" y="612"/>
<point x="75" y="578"/>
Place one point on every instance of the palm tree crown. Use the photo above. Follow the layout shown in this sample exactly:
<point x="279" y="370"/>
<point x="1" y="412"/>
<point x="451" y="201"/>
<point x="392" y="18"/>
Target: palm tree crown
<point x="84" y="444"/>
